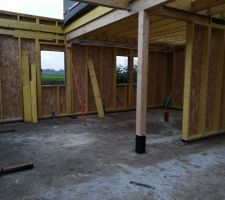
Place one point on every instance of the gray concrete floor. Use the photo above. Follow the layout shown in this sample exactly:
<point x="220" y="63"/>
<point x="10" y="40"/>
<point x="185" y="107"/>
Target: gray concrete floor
<point x="97" y="162"/>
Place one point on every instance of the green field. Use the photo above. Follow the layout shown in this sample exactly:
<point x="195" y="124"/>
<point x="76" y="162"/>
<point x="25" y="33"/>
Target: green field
<point x="52" y="79"/>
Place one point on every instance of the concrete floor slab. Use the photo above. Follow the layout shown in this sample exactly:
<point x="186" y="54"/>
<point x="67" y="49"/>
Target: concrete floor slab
<point x="73" y="161"/>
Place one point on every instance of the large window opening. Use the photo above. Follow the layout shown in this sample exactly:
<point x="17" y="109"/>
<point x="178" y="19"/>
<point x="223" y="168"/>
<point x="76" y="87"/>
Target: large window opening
<point x="122" y="70"/>
<point x="52" y="68"/>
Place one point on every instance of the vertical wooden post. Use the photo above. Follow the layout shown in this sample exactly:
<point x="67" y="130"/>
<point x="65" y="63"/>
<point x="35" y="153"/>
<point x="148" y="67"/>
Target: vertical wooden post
<point x="115" y="76"/>
<point x="204" y="83"/>
<point x="33" y="92"/>
<point x="86" y="79"/>
<point x="219" y="83"/>
<point x="1" y="93"/>
<point x="187" y="80"/>
<point x="141" y="110"/>
<point x="26" y="86"/>
<point x="38" y="68"/>
<point x="131" y="78"/>
<point x="68" y="81"/>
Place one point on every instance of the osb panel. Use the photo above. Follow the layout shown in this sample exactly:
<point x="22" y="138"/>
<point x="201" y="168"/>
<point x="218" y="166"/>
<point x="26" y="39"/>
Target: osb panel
<point x="49" y="100"/>
<point x="152" y="79"/>
<point x="79" y="67"/>
<point x="62" y="99"/>
<point x="108" y="80"/>
<point x="94" y="53"/>
<point x="196" y="74"/>
<point x="122" y="52"/>
<point x="134" y="98"/>
<point x="10" y="75"/>
<point x="122" y="96"/>
<point x="178" y="79"/>
<point x="30" y="46"/>
<point x="212" y="79"/>
<point x="170" y="74"/>
<point x="222" y="116"/>
<point x="161" y="80"/>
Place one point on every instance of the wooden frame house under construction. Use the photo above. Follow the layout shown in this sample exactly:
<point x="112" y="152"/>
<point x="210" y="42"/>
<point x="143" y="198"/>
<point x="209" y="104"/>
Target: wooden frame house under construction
<point x="180" y="48"/>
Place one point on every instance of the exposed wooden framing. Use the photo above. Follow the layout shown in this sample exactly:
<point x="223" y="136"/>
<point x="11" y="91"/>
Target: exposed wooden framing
<point x="204" y="83"/>
<point x="38" y="68"/>
<point x="115" y="78"/>
<point x="187" y="81"/>
<point x="131" y="78"/>
<point x="120" y="4"/>
<point x="30" y="26"/>
<point x="33" y="89"/>
<point x="95" y="87"/>
<point x="92" y="15"/>
<point x="198" y="5"/>
<point x="143" y="37"/>
<point x="26" y="86"/>
<point x="219" y="83"/>
<point x="57" y="100"/>
<point x="114" y="16"/>
<point x="182" y="15"/>
<point x="86" y="79"/>
<point x="1" y="96"/>
<point x="68" y="81"/>
<point x="31" y="34"/>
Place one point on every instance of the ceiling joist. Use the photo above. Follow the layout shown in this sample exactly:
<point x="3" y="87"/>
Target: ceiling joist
<point x="199" y="5"/>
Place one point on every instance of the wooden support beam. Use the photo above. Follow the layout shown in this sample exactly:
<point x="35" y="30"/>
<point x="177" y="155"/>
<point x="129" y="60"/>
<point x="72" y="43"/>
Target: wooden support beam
<point x="1" y="98"/>
<point x="38" y="68"/>
<point x="33" y="90"/>
<point x="142" y="80"/>
<point x="26" y="86"/>
<point x="92" y="15"/>
<point x="95" y="87"/>
<point x="114" y="16"/>
<point x="182" y="15"/>
<point x="31" y="34"/>
<point x="219" y="83"/>
<point x="199" y="5"/>
<point x="204" y="82"/>
<point x="68" y="81"/>
<point x="30" y="26"/>
<point x="120" y="4"/>
<point x="187" y="80"/>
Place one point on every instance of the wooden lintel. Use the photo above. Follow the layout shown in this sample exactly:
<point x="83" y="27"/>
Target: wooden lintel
<point x="120" y="4"/>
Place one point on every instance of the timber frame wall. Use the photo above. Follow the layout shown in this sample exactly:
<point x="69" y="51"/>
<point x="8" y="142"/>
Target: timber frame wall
<point x="34" y="34"/>
<point x="204" y="92"/>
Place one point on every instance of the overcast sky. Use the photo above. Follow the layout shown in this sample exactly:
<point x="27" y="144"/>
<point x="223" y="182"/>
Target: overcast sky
<point x="46" y="8"/>
<point x="52" y="60"/>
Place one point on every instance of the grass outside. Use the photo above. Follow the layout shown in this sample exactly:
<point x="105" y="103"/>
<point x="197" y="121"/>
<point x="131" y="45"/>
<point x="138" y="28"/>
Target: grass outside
<point x="53" y="79"/>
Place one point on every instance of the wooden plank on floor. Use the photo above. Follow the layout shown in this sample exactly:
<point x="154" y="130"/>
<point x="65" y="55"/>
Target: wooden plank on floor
<point x="95" y="87"/>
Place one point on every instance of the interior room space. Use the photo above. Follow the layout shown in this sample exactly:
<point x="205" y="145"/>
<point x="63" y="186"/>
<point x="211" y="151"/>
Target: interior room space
<point x="120" y="100"/>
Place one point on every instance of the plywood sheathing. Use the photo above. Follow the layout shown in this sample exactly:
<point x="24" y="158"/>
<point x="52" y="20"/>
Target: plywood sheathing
<point x="178" y="78"/>
<point x="11" y="87"/>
